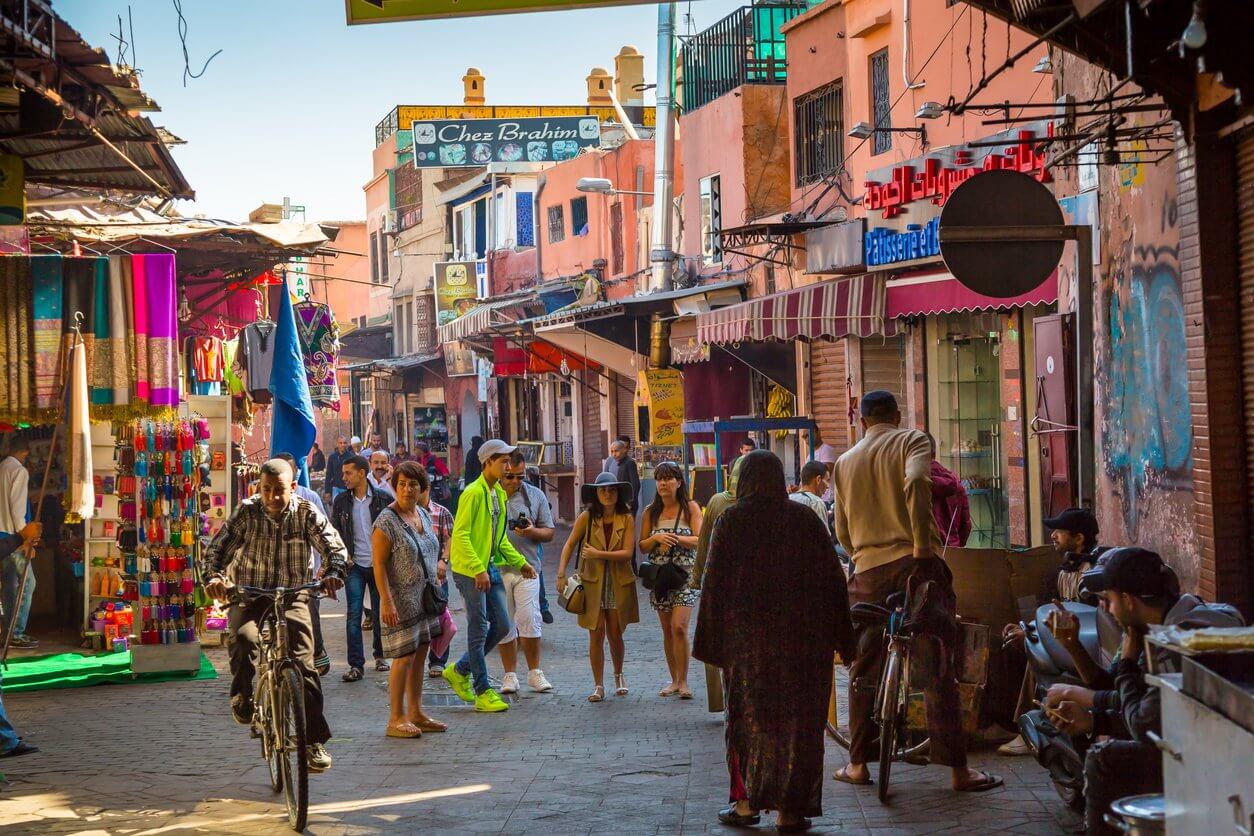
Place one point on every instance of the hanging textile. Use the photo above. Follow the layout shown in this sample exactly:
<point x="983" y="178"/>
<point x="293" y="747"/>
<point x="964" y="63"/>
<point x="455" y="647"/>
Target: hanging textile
<point x="162" y="296"/>
<point x="78" y="296"/>
<point x="230" y="350"/>
<point x="100" y="375"/>
<point x="203" y="370"/>
<point x="120" y="305"/>
<point x="257" y="358"/>
<point x="139" y="297"/>
<point x="46" y="278"/>
<point x="17" y="394"/>
<point x="319" y="338"/>
<point x="82" y="500"/>
<point x="292" y="419"/>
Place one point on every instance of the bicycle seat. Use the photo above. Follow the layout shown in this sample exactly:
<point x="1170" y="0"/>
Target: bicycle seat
<point x="869" y="615"/>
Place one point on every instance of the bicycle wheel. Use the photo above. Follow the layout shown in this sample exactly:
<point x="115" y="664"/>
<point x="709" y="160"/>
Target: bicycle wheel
<point x="270" y="748"/>
<point x="289" y="729"/>
<point x="890" y="715"/>
<point x="839" y="731"/>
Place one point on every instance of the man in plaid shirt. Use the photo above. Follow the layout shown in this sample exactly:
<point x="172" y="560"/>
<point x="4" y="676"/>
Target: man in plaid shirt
<point x="266" y="543"/>
<point x="442" y="519"/>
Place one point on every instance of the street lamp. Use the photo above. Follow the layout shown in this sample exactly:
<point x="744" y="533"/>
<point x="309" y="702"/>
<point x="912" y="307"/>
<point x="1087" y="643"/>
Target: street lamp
<point x="930" y="110"/>
<point x="864" y="130"/>
<point x="1045" y="65"/>
<point x="602" y="185"/>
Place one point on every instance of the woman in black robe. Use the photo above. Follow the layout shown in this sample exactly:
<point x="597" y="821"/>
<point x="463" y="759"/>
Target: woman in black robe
<point x="774" y="610"/>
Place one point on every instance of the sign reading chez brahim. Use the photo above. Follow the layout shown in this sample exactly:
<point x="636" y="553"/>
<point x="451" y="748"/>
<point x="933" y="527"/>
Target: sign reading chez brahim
<point x="454" y="143"/>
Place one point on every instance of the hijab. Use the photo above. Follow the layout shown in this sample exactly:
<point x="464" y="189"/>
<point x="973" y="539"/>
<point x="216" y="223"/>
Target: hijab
<point x="762" y="479"/>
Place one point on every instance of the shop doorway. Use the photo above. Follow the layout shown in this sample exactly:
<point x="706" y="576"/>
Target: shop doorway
<point x="964" y="415"/>
<point x="471" y="426"/>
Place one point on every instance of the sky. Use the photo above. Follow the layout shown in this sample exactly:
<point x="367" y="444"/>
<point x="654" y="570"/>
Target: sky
<point x="288" y="108"/>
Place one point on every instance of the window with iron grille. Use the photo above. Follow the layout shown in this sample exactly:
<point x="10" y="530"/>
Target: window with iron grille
<point x="616" y="239"/>
<point x="557" y="224"/>
<point x="374" y="257"/>
<point x="881" y="141"/>
<point x="383" y="259"/>
<point x="711" y="220"/>
<point x="579" y="216"/>
<point x="820" y="132"/>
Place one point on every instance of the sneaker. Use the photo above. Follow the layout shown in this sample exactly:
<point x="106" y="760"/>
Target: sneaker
<point x="1015" y="748"/>
<point x="460" y="683"/>
<point x="489" y="702"/>
<point x="242" y="710"/>
<point x="538" y="682"/>
<point x="23" y="642"/>
<point x="318" y="757"/>
<point x="509" y="684"/>
<point x="546" y="617"/>
<point x="435" y="671"/>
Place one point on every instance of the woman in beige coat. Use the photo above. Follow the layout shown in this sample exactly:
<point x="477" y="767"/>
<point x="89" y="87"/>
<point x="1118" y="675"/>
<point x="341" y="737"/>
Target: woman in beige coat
<point x="606" y="531"/>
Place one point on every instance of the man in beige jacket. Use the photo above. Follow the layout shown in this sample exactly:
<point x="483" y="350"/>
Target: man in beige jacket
<point x="884" y="520"/>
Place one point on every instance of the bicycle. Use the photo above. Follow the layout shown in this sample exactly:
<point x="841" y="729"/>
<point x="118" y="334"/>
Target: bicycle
<point x="892" y="694"/>
<point x="279" y="703"/>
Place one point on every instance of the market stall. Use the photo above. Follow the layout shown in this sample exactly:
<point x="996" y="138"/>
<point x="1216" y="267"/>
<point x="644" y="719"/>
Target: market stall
<point x="701" y="459"/>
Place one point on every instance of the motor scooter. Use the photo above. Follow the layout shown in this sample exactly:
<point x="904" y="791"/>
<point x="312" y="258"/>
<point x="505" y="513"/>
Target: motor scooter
<point x="1061" y="754"/>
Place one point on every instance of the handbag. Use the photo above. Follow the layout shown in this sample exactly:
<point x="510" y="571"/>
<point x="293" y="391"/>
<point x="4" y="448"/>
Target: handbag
<point x="448" y="628"/>
<point x="662" y="578"/>
<point x="574" y="597"/>
<point x="434" y="598"/>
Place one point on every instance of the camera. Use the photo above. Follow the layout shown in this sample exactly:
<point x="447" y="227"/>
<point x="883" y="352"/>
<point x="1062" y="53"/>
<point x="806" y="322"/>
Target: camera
<point x="518" y="523"/>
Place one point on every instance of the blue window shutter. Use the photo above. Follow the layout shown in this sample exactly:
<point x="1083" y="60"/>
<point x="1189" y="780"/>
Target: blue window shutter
<point x="525" y="213"/>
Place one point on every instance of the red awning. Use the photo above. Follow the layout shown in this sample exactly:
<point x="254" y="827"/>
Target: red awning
<point x="942" y="293"/>
<point x="827" y="310"/>
<point x="511" y="360"/>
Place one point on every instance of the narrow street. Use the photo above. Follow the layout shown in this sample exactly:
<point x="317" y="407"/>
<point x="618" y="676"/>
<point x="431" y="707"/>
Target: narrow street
<point x="166" y="758"/>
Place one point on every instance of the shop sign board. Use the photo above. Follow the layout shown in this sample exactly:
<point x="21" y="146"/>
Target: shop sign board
<point x="904" y="202"/>
<point x="469" y="143"/>
<point x="390" y="11"/>
<point x="459" y="361"/>
<point x="661" y="391"/>
<point x="837" y="248"/>
<point x="458" y="285"/>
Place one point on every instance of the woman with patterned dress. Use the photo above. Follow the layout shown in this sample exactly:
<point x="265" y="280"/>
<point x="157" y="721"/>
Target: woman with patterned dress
<point x="774" y="610"/>
<point x="603" y="538"/>
<point x="406" y="553"/>
<point x="673" y="523"/>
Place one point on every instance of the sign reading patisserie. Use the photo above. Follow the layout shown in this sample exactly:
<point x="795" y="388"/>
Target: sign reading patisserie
<point x="455" y="143"/>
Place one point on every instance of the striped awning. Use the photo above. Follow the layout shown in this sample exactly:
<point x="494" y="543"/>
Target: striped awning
<point x="481" y="319"/>
<point x="827" y="310"/>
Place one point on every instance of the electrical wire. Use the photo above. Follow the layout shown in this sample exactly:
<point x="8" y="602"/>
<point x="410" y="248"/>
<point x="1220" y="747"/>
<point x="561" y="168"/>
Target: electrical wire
<point x="182" y="29"/>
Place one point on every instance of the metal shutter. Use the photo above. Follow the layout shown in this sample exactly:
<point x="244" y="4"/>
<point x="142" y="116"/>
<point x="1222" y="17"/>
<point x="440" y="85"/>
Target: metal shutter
<point x="829" y="392"/>
<point x="594" y="451"/>
<point x="884" y="367"/>
<point x="1245" y="248"/>
<point x="624" y="406"/>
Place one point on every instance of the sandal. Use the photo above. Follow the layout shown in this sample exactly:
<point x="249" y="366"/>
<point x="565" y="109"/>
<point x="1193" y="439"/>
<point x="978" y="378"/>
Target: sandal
<point x="353" y="675"/>
<point x="844" y="777"/>
<point x="670" y="690"/>
<point x="620" y="685"/>
<point x="430" y="725"/>
<point x="405" y="730"/>
<point x="987" y="781"/>
<point x="685" y="693"/>
<point x="597" y="695"/>
<point x="381" y="665"/>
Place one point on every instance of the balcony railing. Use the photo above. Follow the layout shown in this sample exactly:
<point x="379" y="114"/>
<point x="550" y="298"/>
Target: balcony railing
<point x="745" y="47"/>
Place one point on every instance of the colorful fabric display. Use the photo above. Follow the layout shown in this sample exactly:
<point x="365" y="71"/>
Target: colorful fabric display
<point x="320" y="345"/>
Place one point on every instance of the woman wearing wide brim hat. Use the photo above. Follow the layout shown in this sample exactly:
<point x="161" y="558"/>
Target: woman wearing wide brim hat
<point x="604" y="540"/>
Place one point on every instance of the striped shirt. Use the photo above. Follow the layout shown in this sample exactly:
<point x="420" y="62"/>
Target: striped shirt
<point x="442" y="519"/>
<point x="260" y="550"/>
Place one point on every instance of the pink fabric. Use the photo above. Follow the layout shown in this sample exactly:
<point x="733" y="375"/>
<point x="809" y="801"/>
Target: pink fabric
<point x="945" y="294"/>
<point x="139" y="291"/>
<point x="950" y="507"/>
<point x="448" y="629"/>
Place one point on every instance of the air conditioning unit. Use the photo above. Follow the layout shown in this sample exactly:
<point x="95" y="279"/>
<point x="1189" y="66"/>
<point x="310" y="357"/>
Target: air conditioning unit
<point x="389" y="223"/>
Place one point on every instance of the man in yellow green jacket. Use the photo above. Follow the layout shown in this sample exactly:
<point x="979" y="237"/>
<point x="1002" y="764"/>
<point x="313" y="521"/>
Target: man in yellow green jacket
<point x="478" y="546"/>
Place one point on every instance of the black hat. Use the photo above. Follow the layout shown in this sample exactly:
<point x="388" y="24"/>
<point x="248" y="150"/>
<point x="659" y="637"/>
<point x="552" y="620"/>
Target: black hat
<point x="1133" y="570"/>
<point x="1077" y="521"/>
<point x="588" y="493"/>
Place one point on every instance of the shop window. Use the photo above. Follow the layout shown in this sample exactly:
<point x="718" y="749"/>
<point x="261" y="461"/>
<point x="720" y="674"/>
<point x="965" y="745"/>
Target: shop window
<point x="881" y="105"/>
<point x="818" y="118"/>
<point x="557" y="224"/>
<point x="579" y="216"/>
<point x="711" y="220"/>
<point x="965" y="414"/>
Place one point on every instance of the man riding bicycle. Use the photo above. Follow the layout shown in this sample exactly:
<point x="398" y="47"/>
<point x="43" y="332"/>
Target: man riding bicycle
<point x="266" y="543"/>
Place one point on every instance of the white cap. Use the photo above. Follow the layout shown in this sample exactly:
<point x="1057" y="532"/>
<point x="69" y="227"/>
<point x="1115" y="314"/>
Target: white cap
<point x="355" y="440"/>
<point x="494" y="447"/>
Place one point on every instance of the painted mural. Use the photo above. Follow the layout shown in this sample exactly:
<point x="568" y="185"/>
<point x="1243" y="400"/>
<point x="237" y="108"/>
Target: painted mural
<point x="1145" y="488"/>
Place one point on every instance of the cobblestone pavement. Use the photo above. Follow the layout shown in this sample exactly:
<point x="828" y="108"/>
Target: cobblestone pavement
<point x="167" y="758"/>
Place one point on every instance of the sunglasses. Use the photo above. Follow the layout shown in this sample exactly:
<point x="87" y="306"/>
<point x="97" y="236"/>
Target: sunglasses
<point x="511" y="477"/>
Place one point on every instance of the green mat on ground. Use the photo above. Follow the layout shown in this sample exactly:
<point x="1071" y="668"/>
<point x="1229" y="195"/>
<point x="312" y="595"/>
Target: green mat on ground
<point x="74" y="670"/>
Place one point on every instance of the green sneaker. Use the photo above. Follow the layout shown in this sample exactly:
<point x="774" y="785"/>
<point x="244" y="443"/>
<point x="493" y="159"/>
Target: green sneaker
<point x="490" y="703"/>
<point x="460" y="683"/>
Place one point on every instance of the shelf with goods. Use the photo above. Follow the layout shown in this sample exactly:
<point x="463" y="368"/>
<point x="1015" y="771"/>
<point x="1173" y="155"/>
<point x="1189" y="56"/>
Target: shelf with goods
<point x="107" y="616"/>
<point x="217" y="492"/>
<point x="431" y="426"/>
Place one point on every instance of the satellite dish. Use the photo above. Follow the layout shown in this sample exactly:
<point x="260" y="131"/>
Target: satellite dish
<point x="1002" y="197"/>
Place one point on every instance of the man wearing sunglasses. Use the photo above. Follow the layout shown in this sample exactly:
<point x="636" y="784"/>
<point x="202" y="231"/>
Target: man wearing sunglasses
<point x="530" y="526"/>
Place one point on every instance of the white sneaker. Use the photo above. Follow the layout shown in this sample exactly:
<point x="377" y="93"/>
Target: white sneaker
<point x="509" y="684"/>
<point x="537" y="681"/>
<point x="1015" y="748"/>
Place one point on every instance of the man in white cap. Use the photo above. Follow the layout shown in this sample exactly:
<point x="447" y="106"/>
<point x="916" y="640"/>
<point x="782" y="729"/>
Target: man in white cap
<point x="479" y="546"/>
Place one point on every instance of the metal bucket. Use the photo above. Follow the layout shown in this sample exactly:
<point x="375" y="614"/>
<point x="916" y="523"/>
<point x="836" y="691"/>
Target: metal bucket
<point x="1139" y="815"/>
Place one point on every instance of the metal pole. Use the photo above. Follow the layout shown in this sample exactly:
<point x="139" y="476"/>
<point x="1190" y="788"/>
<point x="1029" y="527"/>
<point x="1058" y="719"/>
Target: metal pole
<point x="1086" y="451"/>
<point x="660" y="254"/>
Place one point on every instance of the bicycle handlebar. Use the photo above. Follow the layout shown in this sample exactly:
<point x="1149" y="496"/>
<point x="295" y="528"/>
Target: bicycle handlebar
<point x="261" y="592"/>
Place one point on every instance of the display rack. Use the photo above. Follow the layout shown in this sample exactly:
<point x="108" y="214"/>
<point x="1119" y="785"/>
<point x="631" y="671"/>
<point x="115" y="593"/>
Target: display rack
<point x="217" y="492"/>
<point x="104" y="564"/>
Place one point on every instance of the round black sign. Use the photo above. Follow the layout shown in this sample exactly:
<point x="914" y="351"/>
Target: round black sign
<point x="1002" y="197"/>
